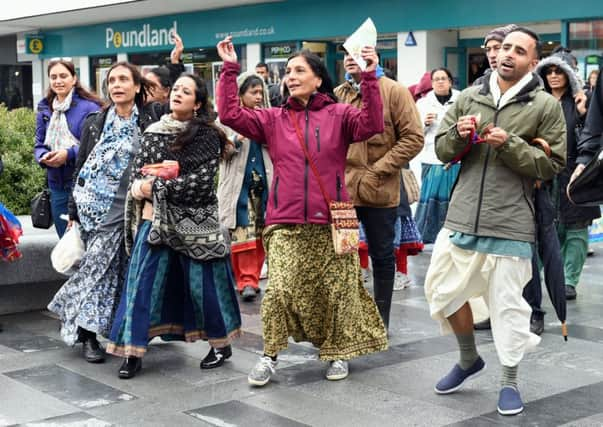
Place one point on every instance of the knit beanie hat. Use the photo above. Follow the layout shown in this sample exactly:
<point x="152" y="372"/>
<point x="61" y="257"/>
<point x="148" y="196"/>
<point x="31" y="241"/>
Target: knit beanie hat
<point x="499" y="33"/>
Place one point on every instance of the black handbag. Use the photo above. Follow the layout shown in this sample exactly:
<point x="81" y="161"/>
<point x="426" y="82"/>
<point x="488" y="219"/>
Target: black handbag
<point x="41" y="214"/>
<point x="587" y="188"/>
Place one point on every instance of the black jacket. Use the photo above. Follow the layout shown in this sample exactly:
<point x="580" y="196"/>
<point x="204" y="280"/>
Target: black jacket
<point x="91" y="133"/>
<point x="568" y="212"/>
<point x="591" y="139"/>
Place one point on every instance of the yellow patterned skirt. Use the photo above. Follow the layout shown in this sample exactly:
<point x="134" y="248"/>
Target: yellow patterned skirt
<point x="317" y="296"/>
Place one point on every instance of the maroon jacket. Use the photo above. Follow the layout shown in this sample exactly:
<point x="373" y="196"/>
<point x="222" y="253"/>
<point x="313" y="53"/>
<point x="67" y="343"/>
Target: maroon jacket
<point x="328" y="127"/>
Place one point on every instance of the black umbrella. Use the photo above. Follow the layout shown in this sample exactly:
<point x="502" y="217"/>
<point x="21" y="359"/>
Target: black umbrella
<point x="549" y="250"/>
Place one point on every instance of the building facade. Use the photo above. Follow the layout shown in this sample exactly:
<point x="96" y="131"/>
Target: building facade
<point x="414" y="37"/>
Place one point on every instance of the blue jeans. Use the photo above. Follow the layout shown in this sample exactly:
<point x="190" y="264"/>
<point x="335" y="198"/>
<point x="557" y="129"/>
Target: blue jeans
<point x="58" y="207"/>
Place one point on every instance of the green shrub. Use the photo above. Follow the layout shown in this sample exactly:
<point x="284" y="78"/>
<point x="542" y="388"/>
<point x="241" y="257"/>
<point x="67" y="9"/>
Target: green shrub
<point x="22" y="177"/>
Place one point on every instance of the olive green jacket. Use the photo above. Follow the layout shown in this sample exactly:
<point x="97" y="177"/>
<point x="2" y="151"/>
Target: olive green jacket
<point x="492" y="196"/>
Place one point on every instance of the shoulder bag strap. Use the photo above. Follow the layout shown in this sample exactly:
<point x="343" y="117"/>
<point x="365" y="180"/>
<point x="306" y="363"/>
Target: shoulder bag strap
<point x="310" y="162"/>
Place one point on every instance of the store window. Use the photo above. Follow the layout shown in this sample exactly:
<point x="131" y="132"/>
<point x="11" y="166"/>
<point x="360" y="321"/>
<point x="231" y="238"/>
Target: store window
<point x="388" y="59"/>
<point x="99" y="66"/>
<point x="205" y="63"/>
<point x="15" y="86"/>
<point x="275" y="56"/>
<point x="586" y="35"/>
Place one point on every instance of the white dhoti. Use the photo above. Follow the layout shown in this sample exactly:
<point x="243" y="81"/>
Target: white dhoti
<point x="456" y="275"/>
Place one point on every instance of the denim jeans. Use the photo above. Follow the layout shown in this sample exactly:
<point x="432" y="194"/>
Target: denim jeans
<point x="58" y="206"/>
<point x="379" y="226"/>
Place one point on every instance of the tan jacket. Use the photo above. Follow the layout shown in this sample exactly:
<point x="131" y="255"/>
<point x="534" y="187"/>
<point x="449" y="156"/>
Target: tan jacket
<point x="373" y="166"/>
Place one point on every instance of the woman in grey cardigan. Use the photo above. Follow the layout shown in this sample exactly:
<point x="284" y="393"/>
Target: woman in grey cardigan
<point x="245" y="175"/>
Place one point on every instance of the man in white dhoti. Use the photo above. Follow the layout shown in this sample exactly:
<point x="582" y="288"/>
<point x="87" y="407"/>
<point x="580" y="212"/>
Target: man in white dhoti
<point x="485" y="246"/>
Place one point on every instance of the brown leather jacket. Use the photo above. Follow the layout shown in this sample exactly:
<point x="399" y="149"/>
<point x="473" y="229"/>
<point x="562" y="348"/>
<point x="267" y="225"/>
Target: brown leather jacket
<point x="373" y="166"/>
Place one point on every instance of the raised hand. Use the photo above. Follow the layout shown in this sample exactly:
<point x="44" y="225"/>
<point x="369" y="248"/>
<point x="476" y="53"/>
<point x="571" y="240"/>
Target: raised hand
<point x="369" y="54"/>
<point x="177" y="50"/>
<point x="226" y="50"/>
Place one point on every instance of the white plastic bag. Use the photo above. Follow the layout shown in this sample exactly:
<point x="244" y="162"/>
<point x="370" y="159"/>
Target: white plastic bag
<point x="67" y="254"/>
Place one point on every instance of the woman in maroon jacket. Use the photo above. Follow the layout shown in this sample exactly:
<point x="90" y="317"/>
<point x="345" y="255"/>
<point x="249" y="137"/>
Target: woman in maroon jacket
<point x="314" y="294"/>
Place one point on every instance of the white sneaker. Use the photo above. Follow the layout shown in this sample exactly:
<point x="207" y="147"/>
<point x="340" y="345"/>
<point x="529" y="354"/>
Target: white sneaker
<point x="401" y="281"/>
<point x="338" y="370"/>
<point x="262" y="371"/>
<point x="264" y="272"/>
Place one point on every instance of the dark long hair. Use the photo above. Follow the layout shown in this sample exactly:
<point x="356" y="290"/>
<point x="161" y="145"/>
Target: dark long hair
<point x="205" y="116"/>
<point x="78" y="88"/>
<point x="163" y="75"/>
<point x="319" y="70"/>
<point x="146" y="85"/>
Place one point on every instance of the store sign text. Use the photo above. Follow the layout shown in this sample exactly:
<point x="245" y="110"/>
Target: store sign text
<point x="147" y="37"/>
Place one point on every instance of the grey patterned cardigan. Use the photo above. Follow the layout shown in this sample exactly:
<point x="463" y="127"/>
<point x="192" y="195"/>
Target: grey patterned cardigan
<point x="185" y="209"/>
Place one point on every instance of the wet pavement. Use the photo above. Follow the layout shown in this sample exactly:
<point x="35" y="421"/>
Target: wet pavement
<point x="45" y="383"/>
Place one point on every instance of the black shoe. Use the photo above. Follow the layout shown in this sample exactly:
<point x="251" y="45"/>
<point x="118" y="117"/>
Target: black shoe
<point x="484" y="325"/>
<point x="537" y="325"/>
<point x="216" y="357"/>
<point x="590" y="252"/>
<point x="130" y="367"/>
<point x="248" y="293"/>
<point x="570" y="292"/>
<point x="93" y="352"/>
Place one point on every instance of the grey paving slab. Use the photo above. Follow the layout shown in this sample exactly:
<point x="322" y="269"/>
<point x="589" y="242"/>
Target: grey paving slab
<point x="236" y="413"/>
<point x="595" y="420"/>
<point x="554" y="410"/>
<point x="26" y="342"/>
<point x="398" y="408"/>
<point x="70" y="387"/>
<point x="78" y="419"/>
<point x="20" y="403"/>
<point x="316" y="411"/>
<point x="584" y="332"/>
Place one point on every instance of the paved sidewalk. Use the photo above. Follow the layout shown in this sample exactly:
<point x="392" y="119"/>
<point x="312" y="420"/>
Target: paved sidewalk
<point x="45" y="383"/>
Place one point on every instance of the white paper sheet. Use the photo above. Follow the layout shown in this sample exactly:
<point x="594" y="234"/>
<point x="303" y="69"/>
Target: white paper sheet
<point x="365" y="35"/>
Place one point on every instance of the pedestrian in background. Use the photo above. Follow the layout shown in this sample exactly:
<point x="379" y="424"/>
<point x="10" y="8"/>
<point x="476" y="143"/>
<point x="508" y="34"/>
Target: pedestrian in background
<point x="59" y="124"/>
<point x="436" y="180"/>
<point x="372" y="174"/>
<point x="86" y="303"/>
<point x="245" y="174"/>
<point x="313" y="293"/>
<point x="572" y="221"/>
<point x="163" y="77"/>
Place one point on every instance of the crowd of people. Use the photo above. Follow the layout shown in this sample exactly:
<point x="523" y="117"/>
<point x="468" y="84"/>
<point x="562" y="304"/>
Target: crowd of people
<point x="180" y="206"/>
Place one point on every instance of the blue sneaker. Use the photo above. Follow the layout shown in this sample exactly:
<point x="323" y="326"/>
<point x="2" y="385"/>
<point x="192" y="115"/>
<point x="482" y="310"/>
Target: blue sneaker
<point x="509" y="401"/>
<point x="457" y="377"/>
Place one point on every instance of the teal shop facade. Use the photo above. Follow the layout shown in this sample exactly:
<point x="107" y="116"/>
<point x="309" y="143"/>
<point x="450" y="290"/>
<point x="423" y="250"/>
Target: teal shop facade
<point x="446" y="33"/>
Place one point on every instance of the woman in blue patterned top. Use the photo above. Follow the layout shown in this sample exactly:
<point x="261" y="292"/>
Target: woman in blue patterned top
<point x="86" y="303"/>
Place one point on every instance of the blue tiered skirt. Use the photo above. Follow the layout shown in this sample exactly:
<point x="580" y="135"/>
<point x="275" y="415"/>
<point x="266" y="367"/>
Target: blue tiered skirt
<point x="436" y="187"/>
<point x="172" y="296"/>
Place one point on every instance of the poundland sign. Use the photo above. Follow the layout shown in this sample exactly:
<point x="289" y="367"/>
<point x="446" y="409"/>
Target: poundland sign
<point x="144" y="36"/>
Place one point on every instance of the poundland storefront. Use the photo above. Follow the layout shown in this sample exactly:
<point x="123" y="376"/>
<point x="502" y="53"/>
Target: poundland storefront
<point x="269" y="32"/>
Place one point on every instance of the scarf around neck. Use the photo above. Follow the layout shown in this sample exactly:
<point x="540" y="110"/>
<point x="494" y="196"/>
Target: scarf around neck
<point x="500" y="100"/>
<point x="103" y="170"/>
<point x="167" y="125"/>
<point x="58" y="135"/>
